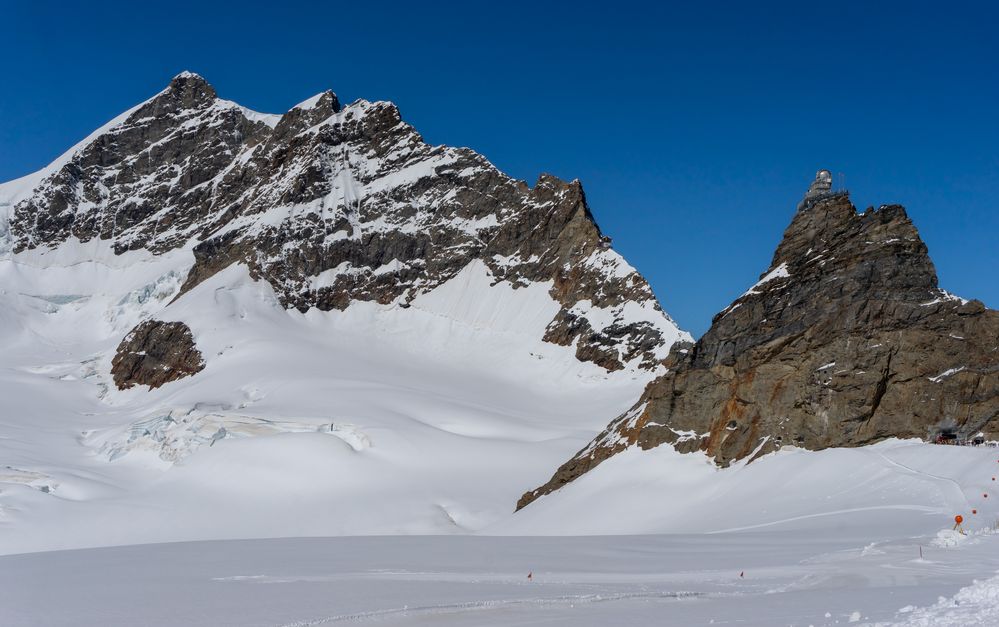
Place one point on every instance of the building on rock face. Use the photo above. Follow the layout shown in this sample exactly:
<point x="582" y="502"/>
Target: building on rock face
<point x="821" y="184"/>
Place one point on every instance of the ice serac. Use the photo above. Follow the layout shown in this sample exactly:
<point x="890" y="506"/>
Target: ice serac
<point x="845" y="340"/>
<point x="333" y="204"/>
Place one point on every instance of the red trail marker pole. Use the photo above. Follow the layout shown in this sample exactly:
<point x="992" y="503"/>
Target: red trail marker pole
<point x="957" y="524"/>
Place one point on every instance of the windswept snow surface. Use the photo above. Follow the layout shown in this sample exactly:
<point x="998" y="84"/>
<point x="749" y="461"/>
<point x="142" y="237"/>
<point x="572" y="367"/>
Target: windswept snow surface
<point x="790" y="577"/>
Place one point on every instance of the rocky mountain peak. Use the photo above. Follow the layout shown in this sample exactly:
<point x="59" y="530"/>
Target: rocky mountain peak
<point x="332" y="205"/>
<point x="845" y="340"/>
<point x="190" y="90"/>
<point x="317" y="108"/>
<point x="324" y="102"/>
<point x="310" y="112"/>
<point x="184" y="75"/>
<point x="883" y="242"/>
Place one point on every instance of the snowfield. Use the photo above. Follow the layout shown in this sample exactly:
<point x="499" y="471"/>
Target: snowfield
<point x="790" y="577"/>
<point x="374" y="420"/>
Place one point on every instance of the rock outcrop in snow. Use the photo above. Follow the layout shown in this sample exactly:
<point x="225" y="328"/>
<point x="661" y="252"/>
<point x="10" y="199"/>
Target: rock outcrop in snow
<point x="333" y="204"/>
<point x="155" y="353"/>
<point x="845" y="340"/>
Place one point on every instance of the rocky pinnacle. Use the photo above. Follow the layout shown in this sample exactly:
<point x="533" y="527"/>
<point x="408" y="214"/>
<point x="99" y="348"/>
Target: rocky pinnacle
<point x="845" y="340"/>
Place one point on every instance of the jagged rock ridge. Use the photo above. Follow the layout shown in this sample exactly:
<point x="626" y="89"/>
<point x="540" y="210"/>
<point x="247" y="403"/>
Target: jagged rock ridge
<point x="331" y="204"/>
<point x="845" y="340"/>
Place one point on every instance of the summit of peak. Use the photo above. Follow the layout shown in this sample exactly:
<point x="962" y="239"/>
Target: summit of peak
<point x="188" y="74"/>
<point x="820" y="187"/>
<point x="310" y="111"/>
<point x="324" y="98"/>
<point x="192" y="89"/>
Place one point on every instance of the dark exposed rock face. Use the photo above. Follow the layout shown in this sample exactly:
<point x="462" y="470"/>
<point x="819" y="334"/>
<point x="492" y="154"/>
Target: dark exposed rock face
<point x="331" y="204"/>
<point x="844" y="341"/>
<point x="155" y="353"/>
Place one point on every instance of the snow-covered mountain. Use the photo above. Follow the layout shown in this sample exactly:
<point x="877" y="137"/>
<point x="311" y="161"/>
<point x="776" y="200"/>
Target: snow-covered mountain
<point x="332" y="205"/>
<point x="220" y="323"/>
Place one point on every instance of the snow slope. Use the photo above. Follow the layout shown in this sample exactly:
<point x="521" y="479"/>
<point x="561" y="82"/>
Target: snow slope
<point x="892" y="487"/>
<point x="377" y="419"/>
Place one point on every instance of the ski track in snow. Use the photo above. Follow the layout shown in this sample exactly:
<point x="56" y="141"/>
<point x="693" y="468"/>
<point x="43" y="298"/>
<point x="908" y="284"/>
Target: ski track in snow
<point x="837" y="512"/>
<point x="948" y="480"/>
<point x="480" y="606"/>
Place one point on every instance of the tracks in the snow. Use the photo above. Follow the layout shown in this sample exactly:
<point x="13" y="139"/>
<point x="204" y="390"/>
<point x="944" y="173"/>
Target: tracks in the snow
<point x="497" y="604"/>
<point x="955" y="484"/>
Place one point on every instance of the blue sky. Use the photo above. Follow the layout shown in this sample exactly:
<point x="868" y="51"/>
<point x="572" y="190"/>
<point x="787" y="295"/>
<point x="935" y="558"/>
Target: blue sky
<point x="695" y="130"/>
